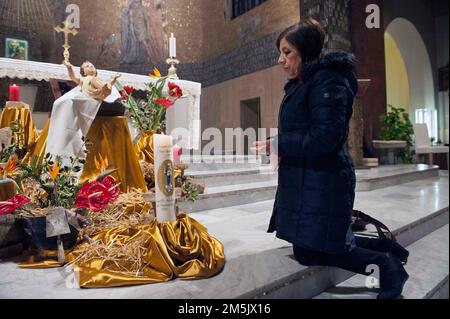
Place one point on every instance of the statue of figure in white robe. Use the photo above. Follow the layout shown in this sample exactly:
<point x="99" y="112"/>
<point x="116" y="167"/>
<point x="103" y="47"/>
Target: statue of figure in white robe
<point x="74" y="112"/>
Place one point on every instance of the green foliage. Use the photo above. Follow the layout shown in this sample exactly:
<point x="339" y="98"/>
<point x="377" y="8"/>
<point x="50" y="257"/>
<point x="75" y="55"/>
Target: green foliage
<point x="60" y="182"/>
<point x="397" y="126"/>
<point x="145" y="114"/>
<point x="189" y="190"/>
<point x="7" y="152"/>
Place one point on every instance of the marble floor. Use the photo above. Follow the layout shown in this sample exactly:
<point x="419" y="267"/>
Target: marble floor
<point x="242" y="230"/>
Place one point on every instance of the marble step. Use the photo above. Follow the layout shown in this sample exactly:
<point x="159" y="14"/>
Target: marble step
<point x="226" y="188"/>
<point x="427" y="266"/>
<point x="221" y="162"/>
<point x="258" y="265"/>
<point x="312" y="281"/>
<point x="274" y="273"/>
<point x="233" y="176"/>
<point x="231" y="195"/>
<point x="390" y="175"/>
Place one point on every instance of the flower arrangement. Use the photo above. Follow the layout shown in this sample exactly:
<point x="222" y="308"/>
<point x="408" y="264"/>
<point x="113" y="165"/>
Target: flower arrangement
<point x="149" y="114"/>
<point x="51" y="183"/>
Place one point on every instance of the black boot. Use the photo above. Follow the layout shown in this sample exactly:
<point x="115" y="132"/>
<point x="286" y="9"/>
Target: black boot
<point x="384" y="245"/>
<point x="399" y="251"/>
<point x="392" y="278"/>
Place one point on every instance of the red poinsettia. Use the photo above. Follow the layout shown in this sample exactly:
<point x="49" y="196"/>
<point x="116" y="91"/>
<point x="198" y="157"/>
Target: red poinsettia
<point x="174" y="90"/>
<point x="164" y="103"/>
<point x="97" y="195"/>
<point x="12" y="204"/>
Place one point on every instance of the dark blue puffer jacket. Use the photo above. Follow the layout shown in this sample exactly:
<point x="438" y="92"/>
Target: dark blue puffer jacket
<point x="316" y="182"/>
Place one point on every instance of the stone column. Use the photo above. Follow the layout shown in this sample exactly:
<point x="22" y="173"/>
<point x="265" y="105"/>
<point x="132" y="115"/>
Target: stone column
<point x="356" y="126"/>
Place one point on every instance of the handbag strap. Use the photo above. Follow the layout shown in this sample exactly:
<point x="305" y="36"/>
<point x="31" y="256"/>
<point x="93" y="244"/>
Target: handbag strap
<point x="378" y="225"/>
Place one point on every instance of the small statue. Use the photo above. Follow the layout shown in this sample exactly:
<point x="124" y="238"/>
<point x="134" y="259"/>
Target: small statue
<point x="89" y="83"/>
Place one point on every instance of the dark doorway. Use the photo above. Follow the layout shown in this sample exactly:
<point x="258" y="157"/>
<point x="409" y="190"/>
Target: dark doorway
<point x="250" y="118"/>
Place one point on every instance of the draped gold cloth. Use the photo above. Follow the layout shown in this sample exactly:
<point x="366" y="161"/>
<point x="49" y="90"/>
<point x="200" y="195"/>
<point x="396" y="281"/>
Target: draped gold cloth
<point x="144" y="146"/>
<point x="111" y="138"/>
<point x="37" y="149"/>
<point x="23" y="115"/>
<point x="181" y="249"/>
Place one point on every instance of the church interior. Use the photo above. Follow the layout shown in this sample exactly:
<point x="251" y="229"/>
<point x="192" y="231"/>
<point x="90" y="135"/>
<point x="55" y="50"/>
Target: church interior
<point x="169" y="81"/>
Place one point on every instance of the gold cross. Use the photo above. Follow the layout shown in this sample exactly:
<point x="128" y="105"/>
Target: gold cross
<point x="67" y="31"/>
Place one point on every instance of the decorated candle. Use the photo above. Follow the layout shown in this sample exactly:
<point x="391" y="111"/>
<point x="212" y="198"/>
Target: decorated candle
<point x="164" y="178"/>
<point x="14" y="93"/>
<point x="172" y="46"/>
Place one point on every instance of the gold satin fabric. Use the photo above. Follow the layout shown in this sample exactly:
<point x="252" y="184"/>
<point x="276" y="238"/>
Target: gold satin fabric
<point x="42" y="260"/>
<point x="111" y="138"/>
<point x="144" y="146"/>
<point x="38" y="148"/>
<point x="23" y="115"/>
<point x="182" y="249"/>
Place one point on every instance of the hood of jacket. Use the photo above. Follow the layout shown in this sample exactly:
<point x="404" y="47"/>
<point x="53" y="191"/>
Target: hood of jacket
<point x="339" y="61"/>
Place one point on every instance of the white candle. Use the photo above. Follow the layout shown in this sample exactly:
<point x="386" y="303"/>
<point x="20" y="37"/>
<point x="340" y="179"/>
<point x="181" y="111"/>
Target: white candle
<point x="164" y="178"/>
<point x="172" y="46"/>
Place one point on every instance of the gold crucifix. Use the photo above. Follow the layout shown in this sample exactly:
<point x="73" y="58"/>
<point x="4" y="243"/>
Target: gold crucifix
<point x="67" y="31"/>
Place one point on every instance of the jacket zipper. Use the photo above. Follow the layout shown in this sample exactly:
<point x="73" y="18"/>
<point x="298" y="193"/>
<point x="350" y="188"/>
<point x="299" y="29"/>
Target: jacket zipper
<point x="284" y="100"/>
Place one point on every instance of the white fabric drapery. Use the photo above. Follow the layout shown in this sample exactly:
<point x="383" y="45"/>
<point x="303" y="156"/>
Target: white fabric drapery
<point x="188" y="118"/>
<point x="72" y="116"/>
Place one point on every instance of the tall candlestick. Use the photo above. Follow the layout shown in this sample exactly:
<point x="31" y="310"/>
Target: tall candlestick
<point x="14" y="93"/>
<point x="172" y="46"/>
<point x="164" y="178"/>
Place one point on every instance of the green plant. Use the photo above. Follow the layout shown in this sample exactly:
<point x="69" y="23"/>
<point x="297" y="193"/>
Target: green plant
<point x="149" y="114"/>
<point x="189" y="190"/>
<point x="7" y="152"/>
<point x="58" y="182"/>
<point x="397" y="126"/>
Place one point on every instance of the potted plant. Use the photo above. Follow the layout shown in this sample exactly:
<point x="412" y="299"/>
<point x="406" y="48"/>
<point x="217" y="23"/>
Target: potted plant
<point x="396" y="134"/>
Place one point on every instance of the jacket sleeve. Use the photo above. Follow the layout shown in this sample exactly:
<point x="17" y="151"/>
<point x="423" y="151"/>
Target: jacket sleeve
<point x="327" y="127"/>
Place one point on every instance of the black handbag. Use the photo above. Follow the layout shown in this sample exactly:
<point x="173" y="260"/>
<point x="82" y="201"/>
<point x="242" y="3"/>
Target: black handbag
<point x="361" y="220"/>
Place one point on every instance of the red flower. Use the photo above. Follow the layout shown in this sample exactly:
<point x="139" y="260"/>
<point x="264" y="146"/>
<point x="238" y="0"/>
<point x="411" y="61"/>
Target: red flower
<point x="12" y="204"/>
<point x="96" y="196"/>
<point x="165" y="103"/>
<point x="123" y="96"/>
<point x="113" y="188"/>
<point x="128" y="90"/>
<point x="93" y="196"/>
<point x="175" y="90"/>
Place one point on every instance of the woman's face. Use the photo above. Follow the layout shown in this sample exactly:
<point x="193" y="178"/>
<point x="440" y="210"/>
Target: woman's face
<point x="290" y="59"/>
<point x="89" y="69"/>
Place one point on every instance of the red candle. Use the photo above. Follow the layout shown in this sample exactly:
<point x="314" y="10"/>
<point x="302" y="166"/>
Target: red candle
<point x="14" y="93"/>
<point x="176" y="154"/>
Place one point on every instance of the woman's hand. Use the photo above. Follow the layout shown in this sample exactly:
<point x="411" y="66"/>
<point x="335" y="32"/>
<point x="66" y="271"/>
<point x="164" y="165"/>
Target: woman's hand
<point x="261" y="147"/>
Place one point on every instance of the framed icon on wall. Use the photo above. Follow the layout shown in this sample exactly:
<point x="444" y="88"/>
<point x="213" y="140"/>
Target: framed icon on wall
<point x="16" y="49"/>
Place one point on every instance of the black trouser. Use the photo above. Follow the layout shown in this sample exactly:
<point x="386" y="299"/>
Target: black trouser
<point x="368" y="251"/>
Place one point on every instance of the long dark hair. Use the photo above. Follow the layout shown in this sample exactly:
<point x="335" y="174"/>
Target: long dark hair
<point x="307" y="37"/>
